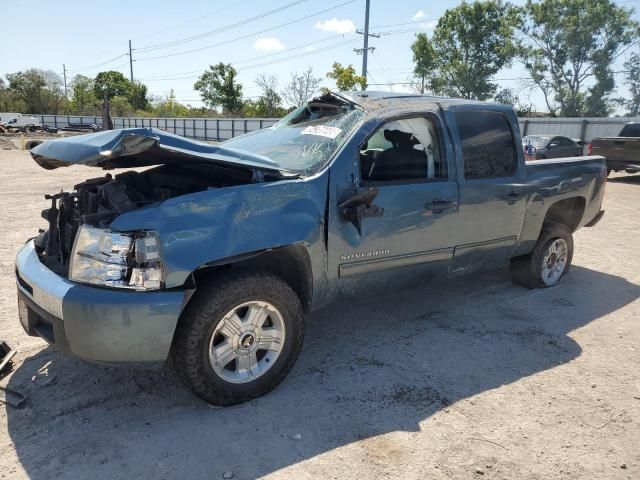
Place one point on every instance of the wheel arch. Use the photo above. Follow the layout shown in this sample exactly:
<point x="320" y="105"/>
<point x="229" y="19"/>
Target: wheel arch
<point x="568" y="211"/>
<point x="292" y="263"/>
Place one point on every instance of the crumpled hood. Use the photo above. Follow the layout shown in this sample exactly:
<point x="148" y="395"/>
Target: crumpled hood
<point x="139" y="147"/>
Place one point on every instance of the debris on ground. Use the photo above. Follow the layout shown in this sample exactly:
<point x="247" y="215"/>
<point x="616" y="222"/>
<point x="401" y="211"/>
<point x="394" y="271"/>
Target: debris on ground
<point x="6" y="354"/>
<point x="43" y="377"/>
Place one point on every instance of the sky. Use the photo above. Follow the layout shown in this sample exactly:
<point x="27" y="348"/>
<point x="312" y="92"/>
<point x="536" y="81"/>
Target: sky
<point x="175" y="41"/>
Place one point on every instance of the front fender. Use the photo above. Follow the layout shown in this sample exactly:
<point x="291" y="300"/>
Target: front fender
<point x="207" y="227"/>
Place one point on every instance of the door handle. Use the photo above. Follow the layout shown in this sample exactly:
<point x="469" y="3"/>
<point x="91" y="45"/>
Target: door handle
<point x="512" y="197"/>
<point x="439" y="205"/>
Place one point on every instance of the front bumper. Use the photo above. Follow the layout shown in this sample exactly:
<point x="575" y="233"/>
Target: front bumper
<point x="97" y="324"/>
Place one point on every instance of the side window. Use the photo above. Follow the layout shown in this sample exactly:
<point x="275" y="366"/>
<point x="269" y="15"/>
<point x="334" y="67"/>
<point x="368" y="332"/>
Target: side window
<point x="407" y="149"/>
<point x="630" y="130"/>
<point x="488" y="146"/>
<point x="563" y="142"/>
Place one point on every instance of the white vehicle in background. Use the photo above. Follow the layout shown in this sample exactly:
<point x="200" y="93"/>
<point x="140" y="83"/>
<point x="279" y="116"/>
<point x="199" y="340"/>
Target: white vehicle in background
<point x="10" y="122"/>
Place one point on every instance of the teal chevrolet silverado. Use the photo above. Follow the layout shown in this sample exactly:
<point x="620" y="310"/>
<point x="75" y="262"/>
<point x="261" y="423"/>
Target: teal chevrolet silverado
<point x="212" y="254"/>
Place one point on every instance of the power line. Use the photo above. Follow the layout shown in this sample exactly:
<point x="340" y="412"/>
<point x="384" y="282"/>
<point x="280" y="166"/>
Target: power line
<point x="221" y="29"/>
<point x="248" y="60"/>
<point x="184" y="52"/>
<point x="97" y="65"/>
<point x="292" y="57"/>
<point x="193" y="20"/>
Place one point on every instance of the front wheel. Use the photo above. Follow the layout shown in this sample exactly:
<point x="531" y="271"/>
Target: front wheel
<point x="549" y="261"/>
<point x="238" y="337"/>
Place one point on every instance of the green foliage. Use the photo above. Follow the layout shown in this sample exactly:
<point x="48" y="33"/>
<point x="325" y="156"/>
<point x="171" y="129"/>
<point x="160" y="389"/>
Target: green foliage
<point x="83" y="99"/>
<point x="569" y="48"/>
<point x="37" y="91"/>
<point x="138" y="96"/>
<point x="120" y="107"/>
<point x="424" y="57"/>
<point x="632" y="77"/>
<point x="8" y="100"/>
<point x="346" y="78"/>
<point x="507" y="96"/>
<point x="169" y="107"/>
<point x="270" y="100"/>
<point x="128" y="96"/>
<point x="113" y="83"/>
<point x="218" y="88"/>
<point x="301" y="88"/>
<point x="470" y="44"/>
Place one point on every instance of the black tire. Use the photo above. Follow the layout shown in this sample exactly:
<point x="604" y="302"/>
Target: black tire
<point x="190" y="350"/>
<point x="527" y="270"/>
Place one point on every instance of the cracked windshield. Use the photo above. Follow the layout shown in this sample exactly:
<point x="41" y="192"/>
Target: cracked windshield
<point x="304" y="141"/>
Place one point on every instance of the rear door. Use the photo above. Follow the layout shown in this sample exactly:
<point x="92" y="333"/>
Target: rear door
<point x="491" y="176"/>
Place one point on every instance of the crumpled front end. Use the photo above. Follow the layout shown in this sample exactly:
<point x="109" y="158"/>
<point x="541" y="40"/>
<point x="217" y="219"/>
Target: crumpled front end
<point x="96" y="324"/>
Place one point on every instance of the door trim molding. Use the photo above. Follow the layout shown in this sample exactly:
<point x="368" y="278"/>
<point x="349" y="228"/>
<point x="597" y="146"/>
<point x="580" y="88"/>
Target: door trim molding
<point x="409" y="259"/>
<point x="493" y="243"/>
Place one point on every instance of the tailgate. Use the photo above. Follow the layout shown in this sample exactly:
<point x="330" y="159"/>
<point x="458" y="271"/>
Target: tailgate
<point x="622" y="149"/>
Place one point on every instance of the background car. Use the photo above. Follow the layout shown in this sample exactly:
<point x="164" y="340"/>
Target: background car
<point x="537" y="147"/>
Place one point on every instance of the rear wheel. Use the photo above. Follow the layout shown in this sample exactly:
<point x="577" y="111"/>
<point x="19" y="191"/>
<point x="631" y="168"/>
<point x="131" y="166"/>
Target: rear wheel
<point x="549" y="261"/>
<point x="238" y="337"/>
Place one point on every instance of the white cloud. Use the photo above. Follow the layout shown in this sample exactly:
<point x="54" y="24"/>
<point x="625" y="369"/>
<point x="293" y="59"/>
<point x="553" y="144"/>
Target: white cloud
<point x="336" y="26"/>
<point x="268" y="44"/>
<point x="309" y="49"/>
<point x="419" y="14"/>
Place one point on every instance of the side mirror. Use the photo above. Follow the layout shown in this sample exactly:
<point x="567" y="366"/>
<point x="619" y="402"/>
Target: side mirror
<point x="552" y="145"/>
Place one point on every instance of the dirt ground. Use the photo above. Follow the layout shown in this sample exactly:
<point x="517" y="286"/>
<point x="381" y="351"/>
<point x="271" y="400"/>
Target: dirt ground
<point x="472" y="378"/>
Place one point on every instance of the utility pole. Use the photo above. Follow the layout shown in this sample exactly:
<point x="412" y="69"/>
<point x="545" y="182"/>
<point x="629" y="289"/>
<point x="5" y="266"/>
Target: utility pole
<point x="64" y="75"/>
<point x="130" y="62"/>
<point x="365" y="47"/>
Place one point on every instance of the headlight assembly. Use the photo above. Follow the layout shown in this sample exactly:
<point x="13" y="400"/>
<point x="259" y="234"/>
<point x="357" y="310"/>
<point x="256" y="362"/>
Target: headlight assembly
<point x="122" y="260"/>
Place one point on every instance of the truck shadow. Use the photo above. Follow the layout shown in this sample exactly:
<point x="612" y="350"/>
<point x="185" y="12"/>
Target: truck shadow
<point x="625" y="178"/>
<point x="368" y="367"/>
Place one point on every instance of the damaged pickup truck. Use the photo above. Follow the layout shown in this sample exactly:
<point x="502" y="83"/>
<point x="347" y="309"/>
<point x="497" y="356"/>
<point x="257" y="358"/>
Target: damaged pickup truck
<point x="211" y="255"/>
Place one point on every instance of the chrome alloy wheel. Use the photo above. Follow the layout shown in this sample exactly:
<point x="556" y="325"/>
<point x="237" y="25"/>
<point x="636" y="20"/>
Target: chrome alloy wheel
<point x="554" y="261"/>
<point x="247" y="342"/>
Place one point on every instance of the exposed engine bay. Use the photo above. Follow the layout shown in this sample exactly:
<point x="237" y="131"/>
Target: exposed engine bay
<point x="98" y="201"/>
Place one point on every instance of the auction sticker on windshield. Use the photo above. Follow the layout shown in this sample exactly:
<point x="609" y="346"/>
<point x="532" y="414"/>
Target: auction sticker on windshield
<point x="322" y="130"/>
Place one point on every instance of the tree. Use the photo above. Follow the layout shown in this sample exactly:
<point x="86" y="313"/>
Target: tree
<point x="8" y="102"/>
<point x="170" y="107"/>
<point x="632" y="77"/>
<point x="346" y="78"/>
<point x="120" y="106"/>
<point x="138" y="96"/>
<point x="569" y="48"/>
<point x="38" y="91"/>
<point x="83" y="99"/>
<point x="301" y="88"/>
<point x="507" y="96"/>
<point x="218" y="88"/>
<point x="424" y="57"/>
<point x="470" y="44"/>
<point x="114" y="83"/>
<point x="270" y="98"/>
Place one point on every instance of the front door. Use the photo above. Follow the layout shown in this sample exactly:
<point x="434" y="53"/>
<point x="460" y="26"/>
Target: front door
<point x="402" y="233"/>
